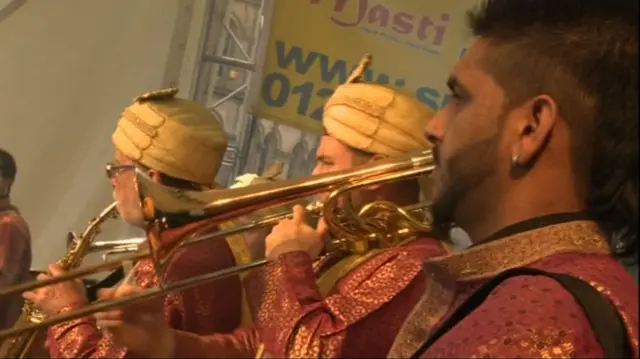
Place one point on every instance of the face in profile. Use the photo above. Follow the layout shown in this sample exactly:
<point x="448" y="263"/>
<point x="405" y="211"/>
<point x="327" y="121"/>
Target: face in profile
<point x="331" y="156"/>
<point x="125" y="191"/>
<point x="466" y="136"/>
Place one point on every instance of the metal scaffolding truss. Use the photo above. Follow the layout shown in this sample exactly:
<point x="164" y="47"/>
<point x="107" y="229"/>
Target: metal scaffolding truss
<point x="247" y="59"/>
<point x="8" y="7"/>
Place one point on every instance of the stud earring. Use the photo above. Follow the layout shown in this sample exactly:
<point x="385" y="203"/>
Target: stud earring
<point x="515" y="160"/>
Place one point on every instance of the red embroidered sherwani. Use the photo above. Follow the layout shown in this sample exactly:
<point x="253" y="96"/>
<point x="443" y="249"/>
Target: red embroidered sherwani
<point x="209" y="308"/>
<point x="526" y="316"/>
<point x="360" y="316"/>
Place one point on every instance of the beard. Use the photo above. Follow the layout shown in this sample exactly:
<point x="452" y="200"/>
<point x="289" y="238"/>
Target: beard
<point x="463" y="172"/>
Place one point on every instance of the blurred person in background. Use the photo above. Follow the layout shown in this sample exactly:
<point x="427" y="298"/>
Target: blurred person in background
<point x="15" y="243"/>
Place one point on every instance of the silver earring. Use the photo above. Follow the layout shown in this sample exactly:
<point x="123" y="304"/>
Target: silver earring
<point x="515" y="159"/>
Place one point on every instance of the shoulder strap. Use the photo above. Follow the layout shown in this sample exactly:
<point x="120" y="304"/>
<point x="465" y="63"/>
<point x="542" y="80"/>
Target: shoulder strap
<point x="602" y="315"/>
<point x="110" y="281"/>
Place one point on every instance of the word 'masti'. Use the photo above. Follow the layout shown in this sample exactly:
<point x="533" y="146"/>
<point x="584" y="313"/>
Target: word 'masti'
<point x="404" y="23"/>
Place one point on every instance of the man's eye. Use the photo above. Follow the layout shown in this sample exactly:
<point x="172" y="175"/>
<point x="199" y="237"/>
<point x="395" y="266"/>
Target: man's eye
<point x="455" y="94"/>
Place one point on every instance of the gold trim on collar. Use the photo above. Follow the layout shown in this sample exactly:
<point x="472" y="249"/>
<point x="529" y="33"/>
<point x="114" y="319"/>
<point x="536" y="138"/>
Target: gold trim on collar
<point x="523" y="248"/>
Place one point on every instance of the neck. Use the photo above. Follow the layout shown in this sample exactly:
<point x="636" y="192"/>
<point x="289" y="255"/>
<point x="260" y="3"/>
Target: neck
<point x="5" y="202"/>
<point x="519" y="204"/>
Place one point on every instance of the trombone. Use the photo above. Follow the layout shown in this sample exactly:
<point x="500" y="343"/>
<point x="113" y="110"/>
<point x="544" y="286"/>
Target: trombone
<point x="355" y="232"/>
<point x="129" y="245"/>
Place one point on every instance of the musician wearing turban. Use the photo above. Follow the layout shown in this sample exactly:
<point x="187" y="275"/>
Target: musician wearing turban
<point x="308" y="305"/>
<point x="178" y="143"/>
<point x="356" y="299"/>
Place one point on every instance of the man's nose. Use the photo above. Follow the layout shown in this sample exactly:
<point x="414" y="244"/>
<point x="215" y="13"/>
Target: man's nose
<point x="434" y="130"/>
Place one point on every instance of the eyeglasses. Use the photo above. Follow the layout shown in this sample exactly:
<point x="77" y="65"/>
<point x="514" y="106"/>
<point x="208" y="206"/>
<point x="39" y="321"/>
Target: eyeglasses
<point x="112" y="169"/>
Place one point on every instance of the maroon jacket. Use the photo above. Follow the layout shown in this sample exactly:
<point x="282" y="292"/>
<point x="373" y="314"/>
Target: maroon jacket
<point x="15" y="260"/>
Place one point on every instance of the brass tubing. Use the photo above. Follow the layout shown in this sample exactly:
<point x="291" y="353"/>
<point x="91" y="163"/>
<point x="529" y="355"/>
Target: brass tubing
<point x="154" y="292"/>
<point x="73" y="274"/>
<point x="101" y="306"/>
<point x="221" y="205"/>
<point x="314" y="208"/>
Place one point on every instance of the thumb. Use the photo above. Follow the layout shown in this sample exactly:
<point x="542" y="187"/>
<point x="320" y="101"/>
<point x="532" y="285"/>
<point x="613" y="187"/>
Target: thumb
<point x="55" y="269"/>
<point x="127" y="289"/>
<point x="322" y="229"/>
<point x="299" y="214"/>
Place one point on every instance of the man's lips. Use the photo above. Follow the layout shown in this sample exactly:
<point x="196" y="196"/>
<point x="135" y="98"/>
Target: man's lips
<point x="436" y="155"/>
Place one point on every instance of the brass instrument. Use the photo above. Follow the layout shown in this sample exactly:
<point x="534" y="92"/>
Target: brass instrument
<point x="117" y="246"/>
<point x="18" y="346"/>
<point x="360" y="231"/>
<point x="129" y="245"/>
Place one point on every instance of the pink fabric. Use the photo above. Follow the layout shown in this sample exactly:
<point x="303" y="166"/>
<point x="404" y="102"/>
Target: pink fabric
<point x="535" y="317"/>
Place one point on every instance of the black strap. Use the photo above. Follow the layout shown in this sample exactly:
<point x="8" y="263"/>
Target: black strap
<point x="605" y="320"/>
<point x="111" y="280"/>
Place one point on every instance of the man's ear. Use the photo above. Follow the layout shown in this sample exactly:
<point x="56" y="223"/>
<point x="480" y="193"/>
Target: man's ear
<point x="534" y="125"/>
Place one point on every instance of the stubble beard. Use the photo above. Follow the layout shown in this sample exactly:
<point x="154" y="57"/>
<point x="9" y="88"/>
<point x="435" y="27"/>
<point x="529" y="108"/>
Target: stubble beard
<point x="463" y="172"/>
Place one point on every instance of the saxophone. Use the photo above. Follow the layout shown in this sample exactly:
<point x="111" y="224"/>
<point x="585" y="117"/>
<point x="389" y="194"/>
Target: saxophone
<point x="20" y="345"/>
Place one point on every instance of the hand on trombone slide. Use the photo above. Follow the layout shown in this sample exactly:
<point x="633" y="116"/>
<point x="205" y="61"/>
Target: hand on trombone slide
<point x="140" y="326"/>
<point x="294" y="234"/>
<point x="55" y="298"/>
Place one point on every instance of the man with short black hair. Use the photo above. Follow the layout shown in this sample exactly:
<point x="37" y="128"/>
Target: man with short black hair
<point x="15" y="242"/>
<point x="536" y="150"/>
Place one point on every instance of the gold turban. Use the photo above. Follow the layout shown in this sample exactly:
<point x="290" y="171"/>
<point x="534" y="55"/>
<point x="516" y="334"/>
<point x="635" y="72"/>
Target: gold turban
<point x="178" y="137"/>
<point x="375" y="118"/>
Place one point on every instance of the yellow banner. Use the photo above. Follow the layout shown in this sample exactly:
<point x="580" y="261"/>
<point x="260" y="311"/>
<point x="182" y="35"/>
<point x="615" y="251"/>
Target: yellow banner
<point x="314" y="44"/>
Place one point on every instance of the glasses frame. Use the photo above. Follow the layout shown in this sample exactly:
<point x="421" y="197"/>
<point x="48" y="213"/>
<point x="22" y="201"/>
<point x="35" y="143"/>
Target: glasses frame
<point x="112" y="169"/>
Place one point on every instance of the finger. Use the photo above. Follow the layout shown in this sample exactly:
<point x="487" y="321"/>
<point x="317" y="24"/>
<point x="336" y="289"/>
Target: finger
<point x="109" y="315"/>
<point x="278" y="228"/>
<point x="106" y="293"/>
<point x="141" y="311"/>
<point x="108" y="324"/>
<point x="30" y="296"/>
<point x="299" y="214"/>
<point x="127" y="289"/>
<point x="43" y="276"/>
<point x="322" y="229"/>
<point x="55" y="269"/>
